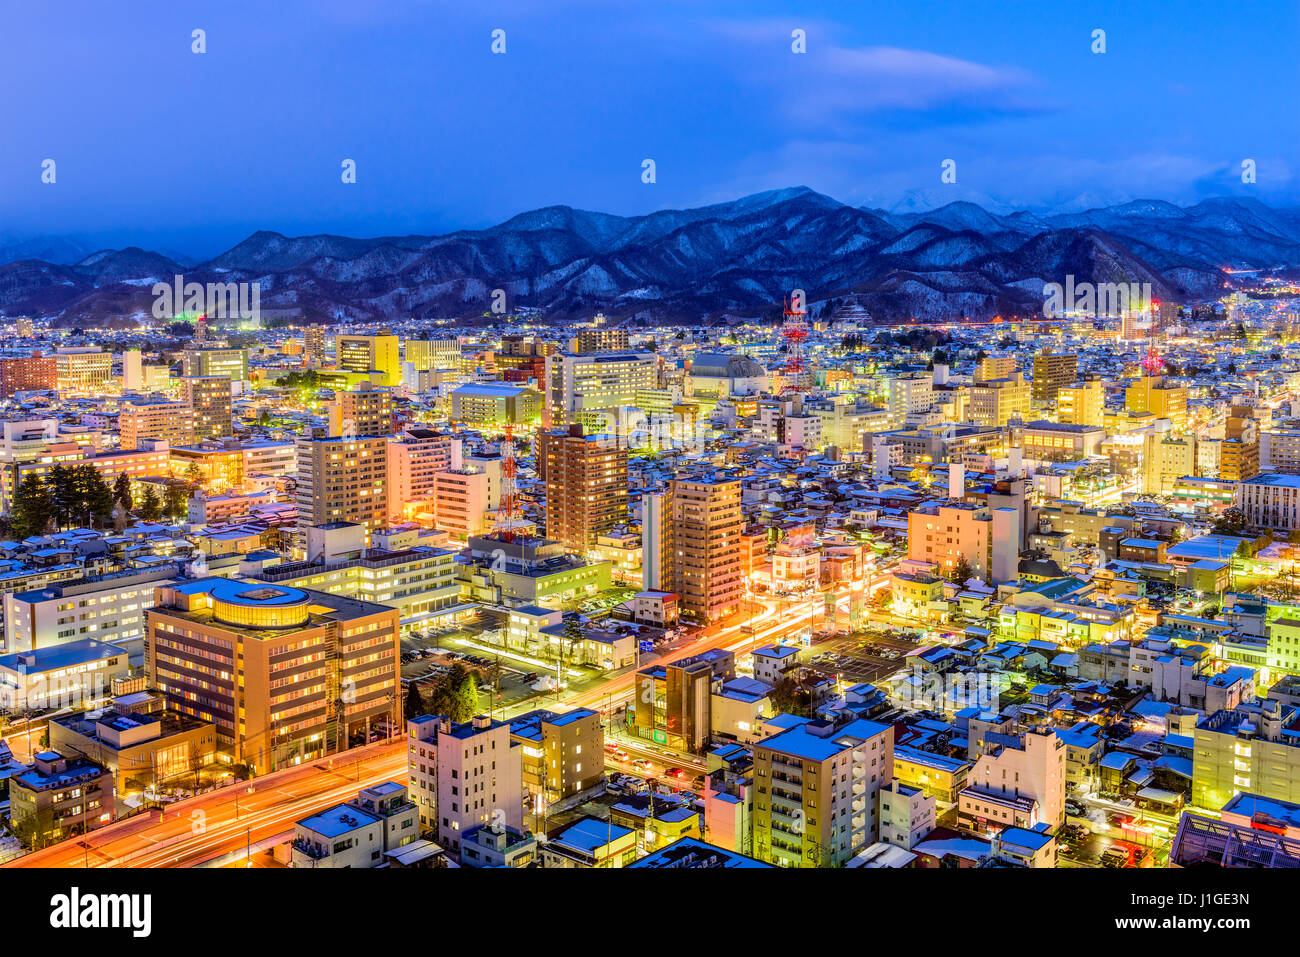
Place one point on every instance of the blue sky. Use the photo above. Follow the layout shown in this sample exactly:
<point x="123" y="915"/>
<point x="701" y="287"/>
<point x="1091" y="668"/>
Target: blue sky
<point x="160" y="147"/>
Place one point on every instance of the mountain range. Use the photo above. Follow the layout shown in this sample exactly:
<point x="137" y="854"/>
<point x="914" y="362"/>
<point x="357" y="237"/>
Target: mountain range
<point x="733" y="259"/>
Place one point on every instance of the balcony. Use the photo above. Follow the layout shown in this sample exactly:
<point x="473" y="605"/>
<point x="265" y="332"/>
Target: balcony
<point x="310" y="849"/>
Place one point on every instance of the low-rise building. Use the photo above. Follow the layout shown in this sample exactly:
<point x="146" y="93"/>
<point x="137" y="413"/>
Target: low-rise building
<point x="358" y="833"/>
<point x="59" y="796"/>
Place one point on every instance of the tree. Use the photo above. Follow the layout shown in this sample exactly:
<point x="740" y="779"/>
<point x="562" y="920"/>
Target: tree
<point x="455" y="694"/>
<point x="33" y="508"/>
<point x="63" y="491"/>
<point x="961" y="571"/>
<point x="1231" y="522"/>
<point x="792" y="695"/>
<point x="95" y="498"/>
<point x="194" y="474"/>
<point x="150" y="505"/>
<point x="122" y="491"/>
<point x="176" y="501"/>
<point x="414" y="706"/>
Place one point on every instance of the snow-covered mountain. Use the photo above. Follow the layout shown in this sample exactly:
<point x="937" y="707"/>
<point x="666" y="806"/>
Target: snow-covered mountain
<point x="734" y="258"/>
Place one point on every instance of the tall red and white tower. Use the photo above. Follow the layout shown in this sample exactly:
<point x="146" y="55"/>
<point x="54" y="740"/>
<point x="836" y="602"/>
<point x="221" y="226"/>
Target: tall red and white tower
<point x="1152" y="363"/>
<point x="508" y="507"/>
<point x="793" y="333"/>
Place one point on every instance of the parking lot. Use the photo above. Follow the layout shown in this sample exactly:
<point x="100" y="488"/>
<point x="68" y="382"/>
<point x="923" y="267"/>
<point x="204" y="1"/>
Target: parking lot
<point x="860" y="657"/>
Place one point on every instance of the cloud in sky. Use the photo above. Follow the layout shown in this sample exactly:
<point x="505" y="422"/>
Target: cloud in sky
<point x="198" y="151"/>
<point x="835" y="82"/>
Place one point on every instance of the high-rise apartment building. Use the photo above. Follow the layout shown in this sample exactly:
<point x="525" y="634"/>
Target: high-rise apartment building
<point x="343" y="480"/>
<point x="586" y="485"/>
<point x="1081" y="403"/>
<point x="28" y="373"/>
<point x="817" y="790"/>
<point x="465" y="499"/>
<point x="313" y="343"/>
<point x="171" y="422"/>
<point x="414" y="460"/>
<point x="370" y="354"/>
<point x="208" y="399"/>
<point x="1052" y="371"/>
<point x="701" y="535"/>
<point x="1239" y="459"/>
<point x="285" y="674"/>
<point x="997" y="401"/>
<point x="364" y="411"/>
<point x="601" y="340"/>
<point x="907" y="394"/>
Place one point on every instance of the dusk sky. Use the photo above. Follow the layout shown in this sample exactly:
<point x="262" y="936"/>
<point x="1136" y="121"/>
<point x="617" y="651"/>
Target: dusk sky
<point x="160" y="147"/>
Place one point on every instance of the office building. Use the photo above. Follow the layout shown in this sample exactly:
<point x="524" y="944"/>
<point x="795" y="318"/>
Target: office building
<point x="433" y="354"/>
<point x="1271" y="500"/>
<point x="995" y="402"/>
<point x="83" y="370"/>
<point x="138" y="741"/>
<point x="673" y="701"/>
<point x="1248" y="749"/>
<point x="285" y="674"/>
<point x="75" y="673"/>
<point x="1160" y="398"/>
<point x="373" y="354"/>
<point x="419" y="582"/>
<point x="231" y="363"/>
<point x="491" y="405"/>
<point x="1081" y="403"/>
<point x="601" y="381"/>
<point x="104" y="607"/>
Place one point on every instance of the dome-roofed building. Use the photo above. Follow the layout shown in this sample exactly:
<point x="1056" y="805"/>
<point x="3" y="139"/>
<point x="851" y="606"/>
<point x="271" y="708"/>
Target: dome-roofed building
<point x="723" y="374"/>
